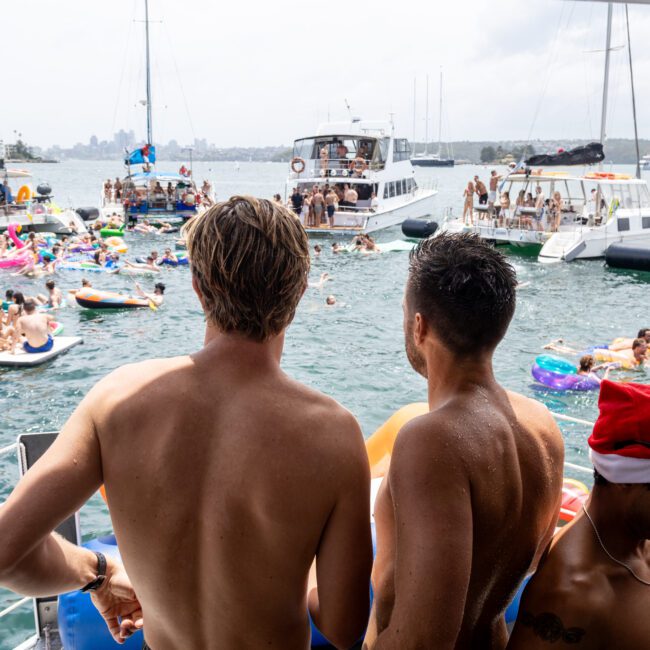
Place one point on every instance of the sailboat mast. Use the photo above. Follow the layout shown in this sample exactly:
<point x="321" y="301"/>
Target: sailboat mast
<point x="426" y="121"/>
<point x="636" y="131"/>
<point x="414" y="110"/>
<point x="440" y="120"/>
<point x="608" y="44"/>
<point x="146" y="23"/>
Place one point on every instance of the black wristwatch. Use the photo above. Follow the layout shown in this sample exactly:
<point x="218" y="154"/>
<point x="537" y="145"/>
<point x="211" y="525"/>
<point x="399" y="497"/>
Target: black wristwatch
<point x="101" y="573"/>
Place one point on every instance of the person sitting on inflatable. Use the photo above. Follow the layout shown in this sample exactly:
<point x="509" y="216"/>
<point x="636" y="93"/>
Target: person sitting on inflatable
<point x="149" y="265"/>
<point x="144" y="227"/>
<point x="35" y="327"/>
<point x="587" y="368"/>
<point x="169" y="257"/>
<point x="629" y="359"/>
<point x="156" y="298"/>
<point x="591" y="588"/>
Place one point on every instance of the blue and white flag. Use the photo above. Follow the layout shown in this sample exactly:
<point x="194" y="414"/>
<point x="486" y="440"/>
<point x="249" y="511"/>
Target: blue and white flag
<point x="146" y="154"/>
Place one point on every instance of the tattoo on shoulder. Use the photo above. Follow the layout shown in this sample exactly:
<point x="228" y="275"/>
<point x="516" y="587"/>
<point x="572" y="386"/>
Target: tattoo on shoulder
<point x="549" y="627"/>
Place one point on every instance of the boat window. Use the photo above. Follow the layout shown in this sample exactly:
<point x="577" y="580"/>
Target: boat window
<point x="645" y="222"/>
<point x="391" y="189"/>
<point x="382" y="153"/>
<point x="415" y="185"/>
<point x="623" y="224"/>
<point x="405" y="188"/>
<point x="386" y="190"/>
<point x="401" y="150"/>
<point x="398" y="188"/>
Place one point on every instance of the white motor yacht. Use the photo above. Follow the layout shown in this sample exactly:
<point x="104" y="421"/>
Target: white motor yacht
<point x="34" y="210"/>
<point x="367" y="157"/>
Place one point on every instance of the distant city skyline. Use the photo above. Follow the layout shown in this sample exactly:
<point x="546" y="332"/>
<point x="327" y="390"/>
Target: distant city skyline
<point x="255" y="74"/>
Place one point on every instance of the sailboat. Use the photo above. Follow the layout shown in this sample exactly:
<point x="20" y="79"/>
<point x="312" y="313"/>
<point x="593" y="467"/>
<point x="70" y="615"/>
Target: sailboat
<point x="435" y="159"/>
<point x="147" y="193"/>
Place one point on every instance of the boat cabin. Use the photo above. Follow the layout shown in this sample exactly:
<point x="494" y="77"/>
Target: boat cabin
<point x="159" y="195"/>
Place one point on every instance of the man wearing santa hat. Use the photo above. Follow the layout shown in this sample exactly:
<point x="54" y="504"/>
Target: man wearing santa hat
<point x="592" y="589"/>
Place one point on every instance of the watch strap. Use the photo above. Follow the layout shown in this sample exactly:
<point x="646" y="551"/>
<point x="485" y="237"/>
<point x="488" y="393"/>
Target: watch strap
<point x="101" y="573"/>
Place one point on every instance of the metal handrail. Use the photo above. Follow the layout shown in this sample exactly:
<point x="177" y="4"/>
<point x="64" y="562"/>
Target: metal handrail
<point x="15" y="605"/>
<point x="8" y="448"/>
<point x="568" y="418"/>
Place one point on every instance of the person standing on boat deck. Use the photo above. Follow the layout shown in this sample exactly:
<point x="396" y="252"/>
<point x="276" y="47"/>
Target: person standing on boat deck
<point x="592" y="588"/>
<point x="540" y="208"/>
<point x="351" y="197"/>
<point x="481" y="191"/>
<point x="296" y="200"/>
<point x="473" y="490"/>
<point x="492" y="196"/>
<point x="342" y="155"/>
<point x="330" y="203"/>
<point x="468" y="206"/>
<point x="557" y="205"/>
<point x="318" y="207"/>
<point x="220" y="506"/>
<point x="117" y="188"/>
<point x="108" y="189"/>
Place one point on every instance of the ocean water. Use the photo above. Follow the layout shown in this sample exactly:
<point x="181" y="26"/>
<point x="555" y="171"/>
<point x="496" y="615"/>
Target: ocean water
<point x="353" y="351"/>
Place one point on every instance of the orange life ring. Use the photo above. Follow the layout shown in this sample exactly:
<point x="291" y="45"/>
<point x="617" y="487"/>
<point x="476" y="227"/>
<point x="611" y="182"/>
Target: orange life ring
<point x="297" y="165"/>
<point x="359" y="165"/>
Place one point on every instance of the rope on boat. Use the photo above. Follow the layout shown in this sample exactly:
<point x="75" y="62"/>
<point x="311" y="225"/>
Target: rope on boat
<point x="16" y="605"/>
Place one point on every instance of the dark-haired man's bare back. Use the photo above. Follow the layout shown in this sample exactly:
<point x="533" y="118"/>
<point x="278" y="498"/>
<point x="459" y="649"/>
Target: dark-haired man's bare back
<point x="473" y="490"/>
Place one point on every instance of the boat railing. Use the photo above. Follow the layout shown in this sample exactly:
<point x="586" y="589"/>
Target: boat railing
<point x="339" y="168"/>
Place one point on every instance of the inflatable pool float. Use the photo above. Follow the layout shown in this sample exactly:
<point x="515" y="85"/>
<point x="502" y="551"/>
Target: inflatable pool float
<point x="93" y="299"/>
<point x="182" y="261"/>
<point x="602" y="354"/>
<point x="137" y="270"/>
<point x="82" y="266"/>
<point x="116" y="245"/>
<point x="112" y="232"/>
<point x="57" y="328"/>
<point x="574" y="494"/>
<point x="560" y="374"/>
<point x="17" y="261"/>
<point x="25" y="359"/>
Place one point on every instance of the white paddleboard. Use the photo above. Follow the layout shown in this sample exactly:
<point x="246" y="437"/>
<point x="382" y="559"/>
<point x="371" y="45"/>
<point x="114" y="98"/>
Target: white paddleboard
<point x="26" y="359"/>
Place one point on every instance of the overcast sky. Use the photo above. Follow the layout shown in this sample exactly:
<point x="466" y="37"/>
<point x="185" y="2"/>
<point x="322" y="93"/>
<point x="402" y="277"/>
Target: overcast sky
<point x="264" y="72"/>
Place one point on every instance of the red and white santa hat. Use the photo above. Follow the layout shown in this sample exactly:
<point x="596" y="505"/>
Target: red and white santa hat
<point x="620" y="442"/>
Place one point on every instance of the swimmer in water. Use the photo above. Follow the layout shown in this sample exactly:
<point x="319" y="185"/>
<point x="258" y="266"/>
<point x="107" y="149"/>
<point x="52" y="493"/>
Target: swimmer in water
<point x="330" y="300"/>
<point x="634" y="357"/>
<point x="625" y="344"/>
<point x="336" y="248"/>
<point x="317" y="250"/>
<point x="157" y="297"/>
<point x="587" y="368"/>
<point x="324" y="278"/>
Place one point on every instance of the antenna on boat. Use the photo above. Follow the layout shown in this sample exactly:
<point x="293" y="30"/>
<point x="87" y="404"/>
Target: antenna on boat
<point x="146" y="23"/>
<point x="347" y="105"/>
<point x="414" y="109"/>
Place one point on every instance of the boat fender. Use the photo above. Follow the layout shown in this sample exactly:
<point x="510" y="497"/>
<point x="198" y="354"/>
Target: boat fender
<point x="87" y="214"/>
<point x="418" y="229"/>
<point x="628" y="256"/>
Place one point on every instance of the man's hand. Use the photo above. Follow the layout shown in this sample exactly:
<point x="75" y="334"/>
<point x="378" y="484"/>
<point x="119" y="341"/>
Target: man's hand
<point x="116" y="601"/>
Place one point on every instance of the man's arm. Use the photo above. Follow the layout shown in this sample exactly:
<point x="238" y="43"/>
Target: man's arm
<point x="433" y="521"/>
<point x="340" y="604"/>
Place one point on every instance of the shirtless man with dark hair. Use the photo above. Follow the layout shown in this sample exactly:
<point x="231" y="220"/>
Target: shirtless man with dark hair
<point x="592" y="589"/>
<point x="225" y="478"/>
<point x="473" y="491"/>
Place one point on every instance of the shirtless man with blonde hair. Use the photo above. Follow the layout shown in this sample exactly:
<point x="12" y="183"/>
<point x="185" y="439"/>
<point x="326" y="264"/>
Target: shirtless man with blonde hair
<point x="225" y="478"/>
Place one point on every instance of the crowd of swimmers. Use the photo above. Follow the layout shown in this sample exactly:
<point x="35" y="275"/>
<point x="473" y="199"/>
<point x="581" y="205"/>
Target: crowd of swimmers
<point x="241" y="498"/>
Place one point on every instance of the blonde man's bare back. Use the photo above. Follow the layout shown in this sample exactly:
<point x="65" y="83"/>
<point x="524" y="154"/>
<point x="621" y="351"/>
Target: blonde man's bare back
<point x="221" y="477"/>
